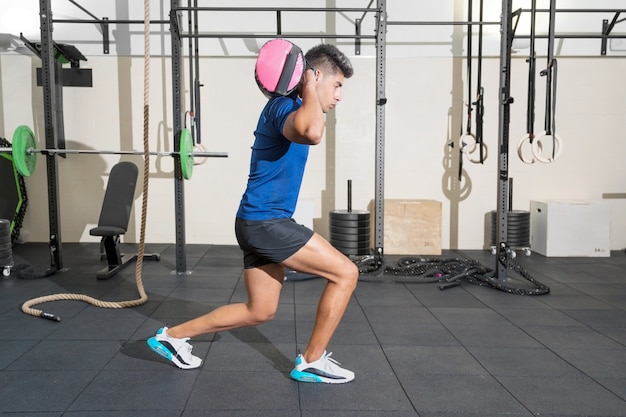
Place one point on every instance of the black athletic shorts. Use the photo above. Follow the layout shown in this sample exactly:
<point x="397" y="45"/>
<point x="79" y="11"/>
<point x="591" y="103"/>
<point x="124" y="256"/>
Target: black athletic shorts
<point x="269" y="241"/>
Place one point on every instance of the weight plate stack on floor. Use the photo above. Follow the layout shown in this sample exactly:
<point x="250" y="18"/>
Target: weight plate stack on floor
<point x="6" y="254"/>
<point x="350" y="231"/>
<point x="518" y="228"/>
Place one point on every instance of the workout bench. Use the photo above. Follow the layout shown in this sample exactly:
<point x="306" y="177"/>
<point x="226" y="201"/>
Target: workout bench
<point x="114" y="218"/>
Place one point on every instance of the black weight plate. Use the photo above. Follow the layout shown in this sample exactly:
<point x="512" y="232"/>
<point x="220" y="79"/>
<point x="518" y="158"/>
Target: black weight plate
<point x="514" y="220"/>
<point x="349" y="238"/>
<point x="5" y="246"/>
<point x="354" y="251"/>
<point x="5" y="239"/>
<point x="349" y="215"/>
<point x="350" y="231"/>
<point x="6" y="261"/>
<point x="350" y="245"/>
<point x="349" y="223"/>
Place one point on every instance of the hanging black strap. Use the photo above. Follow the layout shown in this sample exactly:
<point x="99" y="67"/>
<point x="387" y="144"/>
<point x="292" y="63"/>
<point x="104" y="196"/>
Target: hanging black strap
<point x="532" y="70"/>
<point x="479" y="103"/>
<point x="550" y="74"/>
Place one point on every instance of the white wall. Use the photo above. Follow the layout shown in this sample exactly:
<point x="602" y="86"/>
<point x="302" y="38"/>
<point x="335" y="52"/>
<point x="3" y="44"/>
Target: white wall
<point x="425" y="112"/>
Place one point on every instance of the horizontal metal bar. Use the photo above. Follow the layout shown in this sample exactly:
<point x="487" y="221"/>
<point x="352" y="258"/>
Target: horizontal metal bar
<point x="575" y="36"/>
<point x="437" y="23"/>
<point x="116" y="21"/>
<point x="578" y="10"/>
<point x="276" y="9"/>
<point x="269" y="35"/>
<point x="101" y="152"/>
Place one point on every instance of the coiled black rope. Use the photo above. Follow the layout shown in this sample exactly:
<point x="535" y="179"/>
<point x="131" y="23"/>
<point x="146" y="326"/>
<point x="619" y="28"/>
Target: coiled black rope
<point x="447" y="272"/>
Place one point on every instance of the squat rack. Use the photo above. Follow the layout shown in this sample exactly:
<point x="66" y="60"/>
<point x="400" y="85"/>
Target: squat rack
<point x="50" y="69"/>
<point x="177" y="36"/>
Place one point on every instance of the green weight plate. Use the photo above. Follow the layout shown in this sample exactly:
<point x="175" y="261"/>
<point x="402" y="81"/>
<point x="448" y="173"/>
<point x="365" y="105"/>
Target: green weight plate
<point x="186" y="150"/>
<point x="24" y="160"/>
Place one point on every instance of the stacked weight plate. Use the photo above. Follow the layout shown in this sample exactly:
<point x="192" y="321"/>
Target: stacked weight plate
<point x="518" y="228"/>
<point x="350" y="231"/>
<point x="6" y="255"/>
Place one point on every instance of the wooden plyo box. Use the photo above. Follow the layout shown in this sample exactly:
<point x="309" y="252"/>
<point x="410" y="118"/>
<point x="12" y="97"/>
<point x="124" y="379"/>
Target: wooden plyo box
<point x="411" y="227"/>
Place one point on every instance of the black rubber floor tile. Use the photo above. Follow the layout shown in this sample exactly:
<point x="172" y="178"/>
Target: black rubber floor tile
<point x="599" y="318"/>
<point x="172" y="309"/>
<point x="461" y="316"/>
<point x="581" y="301"/>
<point x="125" y="413"/>
<point x="494" y="335"/>
<point x="12" y="350"/>
<point x="348" y="332"/>
<point x="26" y="327"/>
<point x="517" y="361"/>
<point x="568" y="396"/>
<point x="400" y="314"/>
<point x="241" y="413"/>
<point x="571" y="337"/>
<point x="41" y="391"/>
<point x="384" y="294"/>
<point x="617" y="334"/>
<point x="137" y="390"/>
<point x="250" y="357"/>
<point x="461" y="394"/>
<point x="92" y="328"/>
<point x="274" y="331"/>
<point x="433" y="360"/>
<point x="368" y="392"/>
<point x="244" y="391"/>
<point x="407" y="334"/>
<point x="431" y="296"/>
<point x="597" y="363"/>
<point x="358" y="413"/>
<point x="543" y="317"/>
<point x="486" y="414"/>
<point x="615" y="385"/>
<point x="67" y="355"/>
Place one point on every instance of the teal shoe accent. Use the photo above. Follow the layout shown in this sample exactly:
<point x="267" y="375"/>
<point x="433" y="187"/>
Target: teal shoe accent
<point x="156" y="346"/>
<point x="304" y="376"/>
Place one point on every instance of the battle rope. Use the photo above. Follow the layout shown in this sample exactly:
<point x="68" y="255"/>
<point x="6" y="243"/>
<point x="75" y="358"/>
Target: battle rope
<point x="27" y="306"/>
<point x="447" y="272"/>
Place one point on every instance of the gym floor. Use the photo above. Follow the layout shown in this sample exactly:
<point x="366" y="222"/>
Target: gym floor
<point x="416" y="350"/>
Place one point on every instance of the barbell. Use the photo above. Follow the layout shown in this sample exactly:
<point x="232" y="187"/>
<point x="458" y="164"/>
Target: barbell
<point x="25" y="154"/>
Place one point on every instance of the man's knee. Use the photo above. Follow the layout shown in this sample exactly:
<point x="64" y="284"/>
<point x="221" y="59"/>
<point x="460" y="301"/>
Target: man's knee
<point x="350" y="276"/>
<point x="261" y="315"/>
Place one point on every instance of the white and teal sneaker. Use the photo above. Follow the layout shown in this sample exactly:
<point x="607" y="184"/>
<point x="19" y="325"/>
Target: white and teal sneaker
<point x="325" y="370"/>
<point x="176" y="350"/>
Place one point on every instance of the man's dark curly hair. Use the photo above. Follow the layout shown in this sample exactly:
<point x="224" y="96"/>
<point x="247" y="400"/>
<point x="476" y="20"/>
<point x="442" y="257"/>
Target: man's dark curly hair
<point x="330" y="58"/>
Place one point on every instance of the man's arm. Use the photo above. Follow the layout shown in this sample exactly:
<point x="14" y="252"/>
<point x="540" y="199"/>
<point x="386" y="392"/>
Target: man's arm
<point x="306" y="125"/>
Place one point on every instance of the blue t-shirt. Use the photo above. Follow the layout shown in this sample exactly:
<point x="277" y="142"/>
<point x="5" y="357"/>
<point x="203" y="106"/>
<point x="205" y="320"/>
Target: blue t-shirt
<point x="276" y="166"/>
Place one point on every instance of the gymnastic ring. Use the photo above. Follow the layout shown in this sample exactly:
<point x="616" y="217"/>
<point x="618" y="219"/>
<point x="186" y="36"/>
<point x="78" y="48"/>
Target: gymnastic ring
<point x="199" y="148"/>
<point x="520" y="145"/>
<point x="485" y="153"/>
<point x="467" y="143"/>
<point x="537" y="149"/>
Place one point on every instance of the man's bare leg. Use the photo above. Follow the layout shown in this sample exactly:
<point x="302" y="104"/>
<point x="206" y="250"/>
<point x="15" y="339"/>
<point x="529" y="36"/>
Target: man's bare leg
<point x="319" y="257"/>
<point x="263" y="286"/>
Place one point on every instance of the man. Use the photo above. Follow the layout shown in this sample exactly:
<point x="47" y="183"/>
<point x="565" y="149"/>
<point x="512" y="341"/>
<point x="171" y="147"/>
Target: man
<point x="271" y="240"/>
